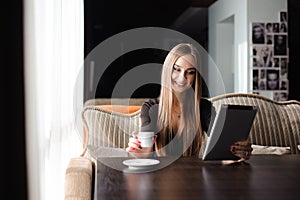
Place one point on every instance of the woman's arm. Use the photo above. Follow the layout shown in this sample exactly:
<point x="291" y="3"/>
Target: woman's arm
<point x="149" y="113"/>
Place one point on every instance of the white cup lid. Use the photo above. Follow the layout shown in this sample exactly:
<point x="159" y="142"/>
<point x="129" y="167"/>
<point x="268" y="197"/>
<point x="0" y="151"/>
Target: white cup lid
<point x="145" y="134"/>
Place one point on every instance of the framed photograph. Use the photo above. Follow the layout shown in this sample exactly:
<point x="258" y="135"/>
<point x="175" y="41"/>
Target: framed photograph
<point x="283" y="16"/>
<point x="254" y="51"/>
<point x="283" y="96"/>
<point x="283" y="63"/>
<point x="283" y="68"/>
<point x="276" y="61"/>
<point x="280" y="96"/>
<point x="269" y="39"/>
<point x="272" y="79"/>
<point x="284" y="85"/>
<point x="255" y="79"/>
<point x="265" y="56"/>
<point x="276" y="27"/>
<point x="262" y="85"/>
<point x="269" y="27"/>
<point x="254" y="62"/>
<point x="280" y="45"/>
<point x="283" y="27"/>
<point x="262" y="74"/>
<point x="258" y="33"/>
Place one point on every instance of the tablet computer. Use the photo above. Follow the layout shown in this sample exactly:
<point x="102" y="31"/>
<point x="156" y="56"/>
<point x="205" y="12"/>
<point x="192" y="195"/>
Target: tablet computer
<point x="232" y="123"/>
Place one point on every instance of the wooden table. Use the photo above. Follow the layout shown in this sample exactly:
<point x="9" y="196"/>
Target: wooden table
<point x="261" y="177"/>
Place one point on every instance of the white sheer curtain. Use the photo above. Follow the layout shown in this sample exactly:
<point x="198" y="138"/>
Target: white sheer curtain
<point x="53" y="60"/>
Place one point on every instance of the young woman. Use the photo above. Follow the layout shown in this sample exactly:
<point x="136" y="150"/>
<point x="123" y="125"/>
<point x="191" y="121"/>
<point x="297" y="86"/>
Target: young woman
<point x="179" y="117"/>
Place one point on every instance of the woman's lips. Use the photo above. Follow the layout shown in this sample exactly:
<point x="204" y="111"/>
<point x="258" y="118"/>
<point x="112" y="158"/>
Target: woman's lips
<point x="180" y="84"/>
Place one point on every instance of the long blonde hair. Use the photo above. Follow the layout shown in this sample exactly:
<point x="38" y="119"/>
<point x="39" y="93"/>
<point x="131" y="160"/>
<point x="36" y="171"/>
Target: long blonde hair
<point x="190" y="125"/>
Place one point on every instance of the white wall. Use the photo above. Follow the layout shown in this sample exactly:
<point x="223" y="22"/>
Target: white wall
<point x="243" y="12"/>
<point x="265" y="10"/>
<point x="231" y="59"/>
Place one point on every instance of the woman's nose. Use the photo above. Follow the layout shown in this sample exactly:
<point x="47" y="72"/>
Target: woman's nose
<point x="182" y="75"/>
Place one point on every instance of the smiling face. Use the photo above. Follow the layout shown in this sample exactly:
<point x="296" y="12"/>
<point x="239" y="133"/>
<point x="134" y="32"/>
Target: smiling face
<point x="183" y="73"/>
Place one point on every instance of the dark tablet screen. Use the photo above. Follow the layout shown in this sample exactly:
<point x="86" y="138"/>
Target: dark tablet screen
<point x="232" y="123"/>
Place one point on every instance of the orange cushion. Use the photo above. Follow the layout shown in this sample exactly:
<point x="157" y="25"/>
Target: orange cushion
<point x="121" y="108"/>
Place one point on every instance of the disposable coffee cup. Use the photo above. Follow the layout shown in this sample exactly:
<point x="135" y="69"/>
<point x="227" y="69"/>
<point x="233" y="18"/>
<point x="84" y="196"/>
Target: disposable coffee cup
<point x="146" y="138"/>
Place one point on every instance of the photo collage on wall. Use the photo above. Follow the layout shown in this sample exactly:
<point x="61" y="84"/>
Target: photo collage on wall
<point x="269" y="58"/>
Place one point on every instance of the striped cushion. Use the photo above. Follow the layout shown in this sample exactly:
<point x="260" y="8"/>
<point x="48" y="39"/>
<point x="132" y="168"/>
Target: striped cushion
<point x="276" y="123"/>
<point x="107" y="128"/>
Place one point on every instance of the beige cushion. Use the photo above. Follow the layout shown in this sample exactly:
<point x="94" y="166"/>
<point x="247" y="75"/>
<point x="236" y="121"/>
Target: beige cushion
<point x="78" y="179"/>
<point x="260" y="149"/>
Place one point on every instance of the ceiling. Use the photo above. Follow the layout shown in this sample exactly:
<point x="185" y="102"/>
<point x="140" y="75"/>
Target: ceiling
<point x="202" y="3"/>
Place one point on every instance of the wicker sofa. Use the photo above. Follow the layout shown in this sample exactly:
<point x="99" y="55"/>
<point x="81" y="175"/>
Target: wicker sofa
<point x="276" y="130"/>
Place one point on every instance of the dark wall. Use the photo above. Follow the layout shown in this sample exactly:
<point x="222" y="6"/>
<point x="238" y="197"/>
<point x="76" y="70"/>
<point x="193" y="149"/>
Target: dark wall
<point x="104" y="19"/>
<point x="294" y="44"/>
<point x="13" y="138"/>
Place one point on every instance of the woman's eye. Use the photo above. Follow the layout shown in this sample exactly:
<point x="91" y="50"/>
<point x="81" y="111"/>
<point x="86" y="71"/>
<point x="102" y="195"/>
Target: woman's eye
<point x="176" y="69"/>
<point x="191" y="72"/>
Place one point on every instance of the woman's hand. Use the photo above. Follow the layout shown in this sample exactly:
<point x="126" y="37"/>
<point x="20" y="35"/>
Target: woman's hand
<point x="242" y="149"/>
<point x="134" y="147"/>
